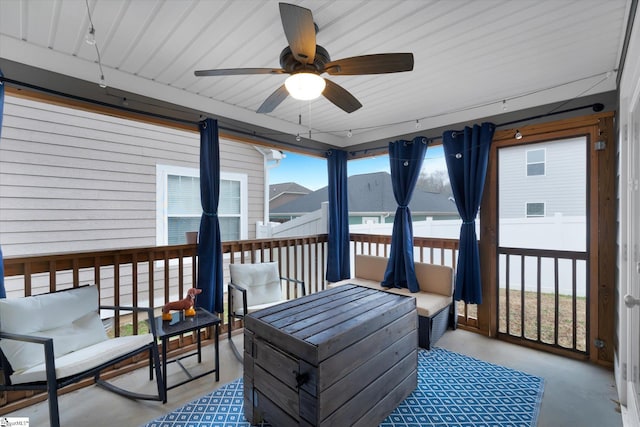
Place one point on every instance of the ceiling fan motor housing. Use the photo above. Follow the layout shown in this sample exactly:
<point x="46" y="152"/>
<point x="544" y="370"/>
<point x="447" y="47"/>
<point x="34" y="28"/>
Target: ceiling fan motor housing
<point x="289" y="63"/>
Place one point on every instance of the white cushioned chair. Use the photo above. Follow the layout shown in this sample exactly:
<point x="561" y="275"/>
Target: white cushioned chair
<point x="49" y="341"/>
<point x="254" y="287"/>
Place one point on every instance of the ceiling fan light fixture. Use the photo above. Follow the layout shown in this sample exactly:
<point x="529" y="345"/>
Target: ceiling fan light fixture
<point x="305" y="86"/>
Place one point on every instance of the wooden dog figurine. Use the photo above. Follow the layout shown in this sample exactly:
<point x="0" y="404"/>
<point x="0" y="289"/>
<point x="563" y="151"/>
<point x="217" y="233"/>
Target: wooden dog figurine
<point x="185" y="304"/>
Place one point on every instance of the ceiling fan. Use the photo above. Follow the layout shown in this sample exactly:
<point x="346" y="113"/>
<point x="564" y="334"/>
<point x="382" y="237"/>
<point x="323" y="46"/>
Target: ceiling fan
<point x="305" y="61"/>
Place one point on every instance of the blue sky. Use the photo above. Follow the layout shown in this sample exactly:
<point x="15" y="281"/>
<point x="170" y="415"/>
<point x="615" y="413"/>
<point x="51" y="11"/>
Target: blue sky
<point x="311" y="172"/>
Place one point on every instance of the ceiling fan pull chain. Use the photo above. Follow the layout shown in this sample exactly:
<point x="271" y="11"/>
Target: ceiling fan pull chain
<point x="309" y="118"/>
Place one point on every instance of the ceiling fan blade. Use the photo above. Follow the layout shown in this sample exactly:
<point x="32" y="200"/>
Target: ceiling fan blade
<point x="238" y="71"/>
<point x="300" y="31"/>
<point x="273" y="100"/>
<point x="371" y="64"/>
<point x="341" y="97"/>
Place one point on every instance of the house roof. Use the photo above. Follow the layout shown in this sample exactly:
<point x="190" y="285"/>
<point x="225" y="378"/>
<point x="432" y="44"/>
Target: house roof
<point x="371" y="193"/>
<point x="276" y="190"/>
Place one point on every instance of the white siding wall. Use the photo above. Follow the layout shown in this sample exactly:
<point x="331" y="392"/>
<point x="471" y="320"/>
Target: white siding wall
<point x="562" y="188"/>
<point x="72" y="180"/>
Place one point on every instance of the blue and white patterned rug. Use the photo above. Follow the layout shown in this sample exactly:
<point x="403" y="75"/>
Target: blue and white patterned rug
<point x="453" y="390"/>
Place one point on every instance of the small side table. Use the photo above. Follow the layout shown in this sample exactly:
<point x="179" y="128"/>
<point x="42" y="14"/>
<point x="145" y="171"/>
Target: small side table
<point x="180" y="324"/>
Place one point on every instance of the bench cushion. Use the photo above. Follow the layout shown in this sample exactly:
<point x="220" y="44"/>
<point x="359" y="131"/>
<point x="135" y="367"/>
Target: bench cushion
<point x="437" y="279"/>
<point x="432" y="278"/>
<point x="427" y="303"/>
<point x="70" y="317"/>
<point x="436" y="282"/>
<point x="370" y="267"/>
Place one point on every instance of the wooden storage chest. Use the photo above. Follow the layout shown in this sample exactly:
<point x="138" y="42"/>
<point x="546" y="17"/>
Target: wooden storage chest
<point x="346" y="356"/>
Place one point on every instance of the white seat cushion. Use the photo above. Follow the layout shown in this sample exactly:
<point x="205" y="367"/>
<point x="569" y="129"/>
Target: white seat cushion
<point x="85" y="358"/>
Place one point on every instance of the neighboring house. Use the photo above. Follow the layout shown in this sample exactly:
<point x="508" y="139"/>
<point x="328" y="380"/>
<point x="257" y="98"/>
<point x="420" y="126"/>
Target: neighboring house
<point x="73" y="180"/>
<point x="543" y="179"/>
<point x="280" y="194"/>
<point x="371" y="201"/>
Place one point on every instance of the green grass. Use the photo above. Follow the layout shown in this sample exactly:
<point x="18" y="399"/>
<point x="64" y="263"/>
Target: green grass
<point x="126" y="329"/>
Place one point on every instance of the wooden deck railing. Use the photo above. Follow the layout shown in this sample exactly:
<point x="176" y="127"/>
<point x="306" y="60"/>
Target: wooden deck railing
<point x="301" y="258"/>
<point x="149" y="277"/>
<point x="153" y="276"/>
<point x="143" y="276"/>
<point x="543" y="297"/>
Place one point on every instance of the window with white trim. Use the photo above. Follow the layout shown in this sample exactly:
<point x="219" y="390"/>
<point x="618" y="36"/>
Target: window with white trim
<point x="536" y="209"/>
<point x="179" y="209"/>
<point x="536" y="162"/>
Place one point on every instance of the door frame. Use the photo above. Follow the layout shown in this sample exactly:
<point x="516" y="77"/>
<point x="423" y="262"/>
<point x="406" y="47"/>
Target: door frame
<point x="601" y="208"/>
<point x="627" y="365"/>
<point x="627" y="357"/>
<point x="569" y="255"/>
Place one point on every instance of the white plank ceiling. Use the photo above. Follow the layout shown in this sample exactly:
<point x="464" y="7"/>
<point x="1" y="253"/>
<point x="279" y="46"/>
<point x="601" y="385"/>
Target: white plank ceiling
<point x="470" y="55"/>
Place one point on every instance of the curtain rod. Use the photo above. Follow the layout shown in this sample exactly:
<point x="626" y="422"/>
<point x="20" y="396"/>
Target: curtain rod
<point x="93" y="101"/>
<point x="597" y="107"/>
<point x="155" y="115"/>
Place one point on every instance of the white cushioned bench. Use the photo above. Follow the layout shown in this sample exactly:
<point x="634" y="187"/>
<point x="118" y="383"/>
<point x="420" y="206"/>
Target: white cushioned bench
<point x="52" y="340"/>
<point x="434" y="302"/>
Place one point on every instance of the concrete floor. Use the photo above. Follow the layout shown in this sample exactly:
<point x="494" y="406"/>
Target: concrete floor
<point x="575" y="393"/>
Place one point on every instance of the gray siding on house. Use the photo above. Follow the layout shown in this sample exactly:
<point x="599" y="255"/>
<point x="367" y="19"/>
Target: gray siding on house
<point x="72" y="180"/>
<point x="563" y="188"/>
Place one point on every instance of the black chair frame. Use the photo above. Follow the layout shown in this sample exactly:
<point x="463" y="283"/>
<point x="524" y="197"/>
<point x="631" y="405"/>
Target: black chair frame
<point x="53" y="384"/>
<point x="232" y="315"/>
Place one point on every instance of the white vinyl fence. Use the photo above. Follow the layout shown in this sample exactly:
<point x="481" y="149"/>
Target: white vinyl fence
<point x="562" y="233"/>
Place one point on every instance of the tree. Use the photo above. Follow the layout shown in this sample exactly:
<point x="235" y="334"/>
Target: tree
<point x="435" y="182"/>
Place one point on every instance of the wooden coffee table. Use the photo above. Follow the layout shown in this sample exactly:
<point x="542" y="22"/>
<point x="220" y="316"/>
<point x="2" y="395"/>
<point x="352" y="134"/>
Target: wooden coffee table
<point x="344" y="356"/>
